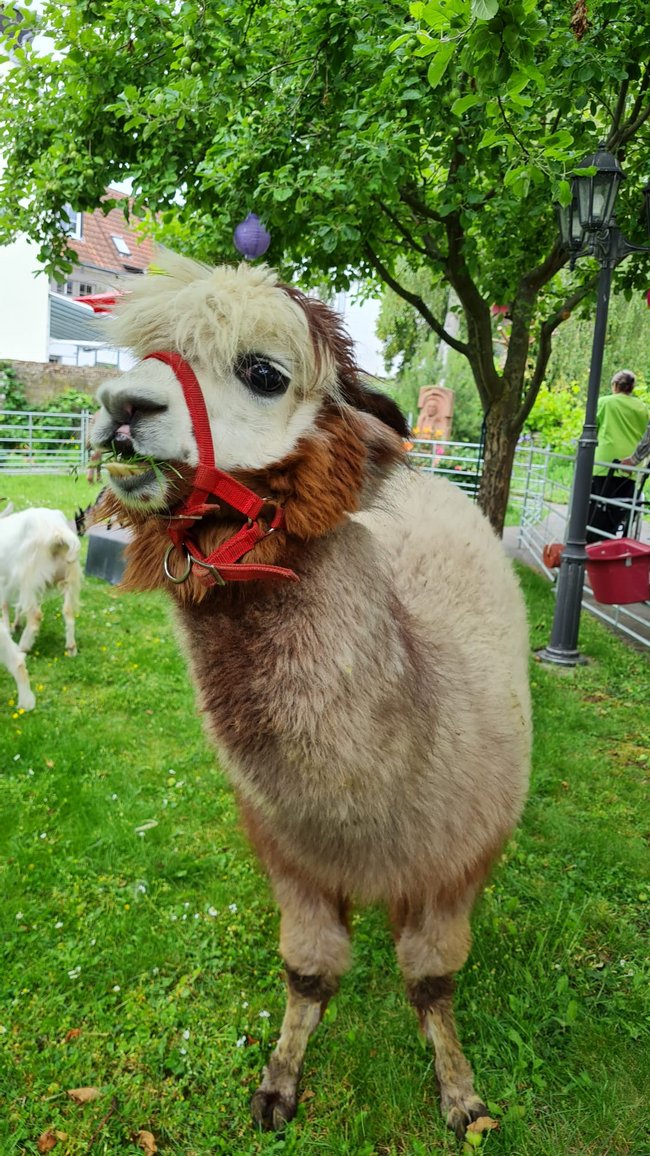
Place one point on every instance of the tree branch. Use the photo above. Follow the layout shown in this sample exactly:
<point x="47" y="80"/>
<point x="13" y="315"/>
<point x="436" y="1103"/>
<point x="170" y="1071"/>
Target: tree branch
<point x="643" y="88"/>
<point x="545" y="347"/>
<point x="628" y="130"/>
<point x="416" y="301"/>
<point x="477" y="314"/>
<point x="619" y="111"/>
<point x="402" y="229"/>
<point x="538" y="277"/>
<point x="511" y="130"/>
<point x="417" y="206"/>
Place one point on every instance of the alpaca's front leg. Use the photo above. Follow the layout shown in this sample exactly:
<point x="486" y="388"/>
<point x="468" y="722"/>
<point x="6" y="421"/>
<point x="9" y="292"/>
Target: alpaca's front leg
<point x="314" y="941"/>
<point x="432" y="945"/>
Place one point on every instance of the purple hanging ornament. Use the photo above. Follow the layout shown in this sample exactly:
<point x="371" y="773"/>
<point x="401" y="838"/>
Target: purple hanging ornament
<point x="251" y="238"/>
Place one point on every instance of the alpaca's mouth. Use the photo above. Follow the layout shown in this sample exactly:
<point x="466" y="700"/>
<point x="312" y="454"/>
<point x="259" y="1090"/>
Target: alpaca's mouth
<point x="131" y="476"/>
<point x="138" y="481"/>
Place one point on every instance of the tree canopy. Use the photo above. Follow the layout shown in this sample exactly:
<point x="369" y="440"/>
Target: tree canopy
<point x="361" y="131"/>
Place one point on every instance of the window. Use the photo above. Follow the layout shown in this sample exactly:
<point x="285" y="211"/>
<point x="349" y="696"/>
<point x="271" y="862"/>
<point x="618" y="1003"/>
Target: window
<point x="69" y="289"/>
<point x="72" y="222"/>
<point x="85" y="290"/>
<point x="121" y="246"/>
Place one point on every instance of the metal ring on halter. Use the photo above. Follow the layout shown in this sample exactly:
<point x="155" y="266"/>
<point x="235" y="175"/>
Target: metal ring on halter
<point x="213" y="570"/>
<point x="172" y="577"/>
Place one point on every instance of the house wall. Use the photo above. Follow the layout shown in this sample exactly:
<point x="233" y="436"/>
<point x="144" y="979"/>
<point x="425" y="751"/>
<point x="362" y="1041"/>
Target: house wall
<point x="24" y="304"/>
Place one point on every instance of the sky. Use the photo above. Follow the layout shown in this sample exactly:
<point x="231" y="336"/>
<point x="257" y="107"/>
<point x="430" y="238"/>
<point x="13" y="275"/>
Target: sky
<point x="361" y="320"/>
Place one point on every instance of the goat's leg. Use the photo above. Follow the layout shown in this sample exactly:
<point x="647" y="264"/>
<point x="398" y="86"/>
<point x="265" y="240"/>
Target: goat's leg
<point x="431" y="946"/>
<point x="69" y="609"/>
<point x="33" y="618"/>
<point x="314" y="942"/>
<point x="13" y="658"/>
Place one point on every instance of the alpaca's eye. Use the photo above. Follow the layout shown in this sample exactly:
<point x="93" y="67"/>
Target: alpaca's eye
<point x="261" y="376"/>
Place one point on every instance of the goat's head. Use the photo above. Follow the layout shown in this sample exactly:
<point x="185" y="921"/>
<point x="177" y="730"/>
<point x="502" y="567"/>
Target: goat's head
<point x="278" y="379"/>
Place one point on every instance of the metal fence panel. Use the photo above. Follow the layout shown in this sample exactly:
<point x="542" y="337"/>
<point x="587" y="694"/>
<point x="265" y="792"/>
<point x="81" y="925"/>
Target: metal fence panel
<point x="38" y="442"/>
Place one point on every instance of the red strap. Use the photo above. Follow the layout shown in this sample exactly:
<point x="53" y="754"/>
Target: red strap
<point x="195" y="402"/>
<point x="209" y="481"/>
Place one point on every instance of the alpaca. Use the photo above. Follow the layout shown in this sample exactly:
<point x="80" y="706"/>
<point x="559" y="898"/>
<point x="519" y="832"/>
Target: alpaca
<point x="352" y="625"/>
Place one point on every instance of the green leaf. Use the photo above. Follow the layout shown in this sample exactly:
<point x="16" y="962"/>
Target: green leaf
<point x="438" y="67"/>
<point x="484" y="9"/>
<point x="399" y="41"/>
<point x="564" y="193"/>
<point x="464" y="102"/>
<point x="518" y="82"/>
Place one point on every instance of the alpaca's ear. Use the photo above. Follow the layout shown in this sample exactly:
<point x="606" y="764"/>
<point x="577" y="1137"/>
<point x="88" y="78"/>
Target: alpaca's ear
<point x="362" y="397"/>
<point x="384" y="449"/>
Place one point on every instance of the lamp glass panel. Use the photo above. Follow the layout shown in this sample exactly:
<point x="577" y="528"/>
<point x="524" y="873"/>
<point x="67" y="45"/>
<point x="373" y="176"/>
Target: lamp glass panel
<point x="582" y="185"/>
<point x="564" y="222"/>
<point x="576" y="230"/>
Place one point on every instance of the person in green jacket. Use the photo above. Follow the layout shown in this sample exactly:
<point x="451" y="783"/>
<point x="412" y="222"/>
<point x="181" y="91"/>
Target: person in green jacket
<point x="621" y="421"/>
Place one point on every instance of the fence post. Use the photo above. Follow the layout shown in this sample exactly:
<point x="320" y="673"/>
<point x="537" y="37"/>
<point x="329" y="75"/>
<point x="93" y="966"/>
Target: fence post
<point x="83" y="435"/>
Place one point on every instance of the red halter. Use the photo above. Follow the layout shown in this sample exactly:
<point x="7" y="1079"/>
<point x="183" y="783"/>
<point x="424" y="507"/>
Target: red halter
<point x="223" y="564"/>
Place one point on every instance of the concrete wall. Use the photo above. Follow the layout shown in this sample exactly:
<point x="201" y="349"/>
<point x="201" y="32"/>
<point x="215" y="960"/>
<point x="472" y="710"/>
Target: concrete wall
<point x="43" y="380"/>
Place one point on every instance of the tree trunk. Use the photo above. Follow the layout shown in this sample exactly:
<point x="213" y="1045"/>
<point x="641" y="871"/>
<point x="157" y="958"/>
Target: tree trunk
<point x="499" y="452"/>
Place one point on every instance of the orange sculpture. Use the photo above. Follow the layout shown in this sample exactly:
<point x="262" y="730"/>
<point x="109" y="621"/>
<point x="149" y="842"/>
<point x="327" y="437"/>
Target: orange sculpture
<point x="436" y="409"/>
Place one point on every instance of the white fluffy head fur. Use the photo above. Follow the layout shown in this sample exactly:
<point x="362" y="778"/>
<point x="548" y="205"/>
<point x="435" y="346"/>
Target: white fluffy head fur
<point x="213" y="318"/>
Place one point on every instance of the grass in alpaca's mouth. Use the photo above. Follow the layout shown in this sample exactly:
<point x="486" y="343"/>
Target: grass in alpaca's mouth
<point x="138" y="464"/>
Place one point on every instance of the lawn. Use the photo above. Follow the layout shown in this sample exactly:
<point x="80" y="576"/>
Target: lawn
<point x="139" y="938"/>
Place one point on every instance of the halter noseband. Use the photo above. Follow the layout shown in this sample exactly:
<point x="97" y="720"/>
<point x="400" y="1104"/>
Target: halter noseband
<point x="223" y="564"/>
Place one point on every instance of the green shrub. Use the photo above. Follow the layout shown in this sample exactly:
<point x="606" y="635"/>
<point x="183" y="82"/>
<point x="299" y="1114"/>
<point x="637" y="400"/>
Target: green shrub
<point x="557" y="416"/>
<point x="71" y="401"/>
<point x="11" y="388"/>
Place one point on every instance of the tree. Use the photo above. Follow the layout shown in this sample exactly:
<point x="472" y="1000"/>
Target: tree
<point x="359" y="130"/>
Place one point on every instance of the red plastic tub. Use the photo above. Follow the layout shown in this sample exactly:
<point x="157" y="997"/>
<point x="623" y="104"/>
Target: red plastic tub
<point x="619" y="571"/>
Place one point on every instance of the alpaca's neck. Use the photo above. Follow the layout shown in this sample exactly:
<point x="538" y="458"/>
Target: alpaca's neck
<point x="285" y="665"/>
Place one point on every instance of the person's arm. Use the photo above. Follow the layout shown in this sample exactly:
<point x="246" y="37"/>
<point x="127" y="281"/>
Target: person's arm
<point x="641" y="452"/>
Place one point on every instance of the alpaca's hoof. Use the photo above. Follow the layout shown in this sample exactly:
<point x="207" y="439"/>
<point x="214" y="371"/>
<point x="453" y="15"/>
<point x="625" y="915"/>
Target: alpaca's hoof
<point x="271" y="1110"/>
<point x="463" y="1112"/>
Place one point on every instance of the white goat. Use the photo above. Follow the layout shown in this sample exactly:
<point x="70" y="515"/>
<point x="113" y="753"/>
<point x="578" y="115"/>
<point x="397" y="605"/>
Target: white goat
<point x="37" y="549"/>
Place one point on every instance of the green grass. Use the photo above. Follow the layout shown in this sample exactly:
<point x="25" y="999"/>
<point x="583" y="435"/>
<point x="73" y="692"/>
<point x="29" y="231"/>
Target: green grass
<point x="155" y="946"/>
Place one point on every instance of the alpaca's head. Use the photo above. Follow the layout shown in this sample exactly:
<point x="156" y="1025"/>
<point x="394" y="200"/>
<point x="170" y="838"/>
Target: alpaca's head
<point x="275" y="368"/>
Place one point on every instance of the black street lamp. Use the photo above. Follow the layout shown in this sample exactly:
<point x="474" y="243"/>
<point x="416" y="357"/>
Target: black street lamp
<point x="587" y="226"/>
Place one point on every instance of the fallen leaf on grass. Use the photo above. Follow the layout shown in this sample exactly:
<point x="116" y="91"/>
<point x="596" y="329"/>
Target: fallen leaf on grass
<point x="146" y="1141"/>
<point x="307" y="1095"/>
<point x="483" y="1124"/>
<point x="83" y="1095"/>
<point x="73" y="1034"/>
<point x="47" y="1140"/>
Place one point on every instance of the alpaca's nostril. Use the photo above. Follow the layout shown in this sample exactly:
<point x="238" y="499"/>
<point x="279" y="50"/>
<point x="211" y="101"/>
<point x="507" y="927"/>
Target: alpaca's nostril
<point x="122" y="442"/>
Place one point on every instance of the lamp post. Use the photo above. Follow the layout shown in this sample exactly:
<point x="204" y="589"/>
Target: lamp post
<point x="587" y="226"/>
